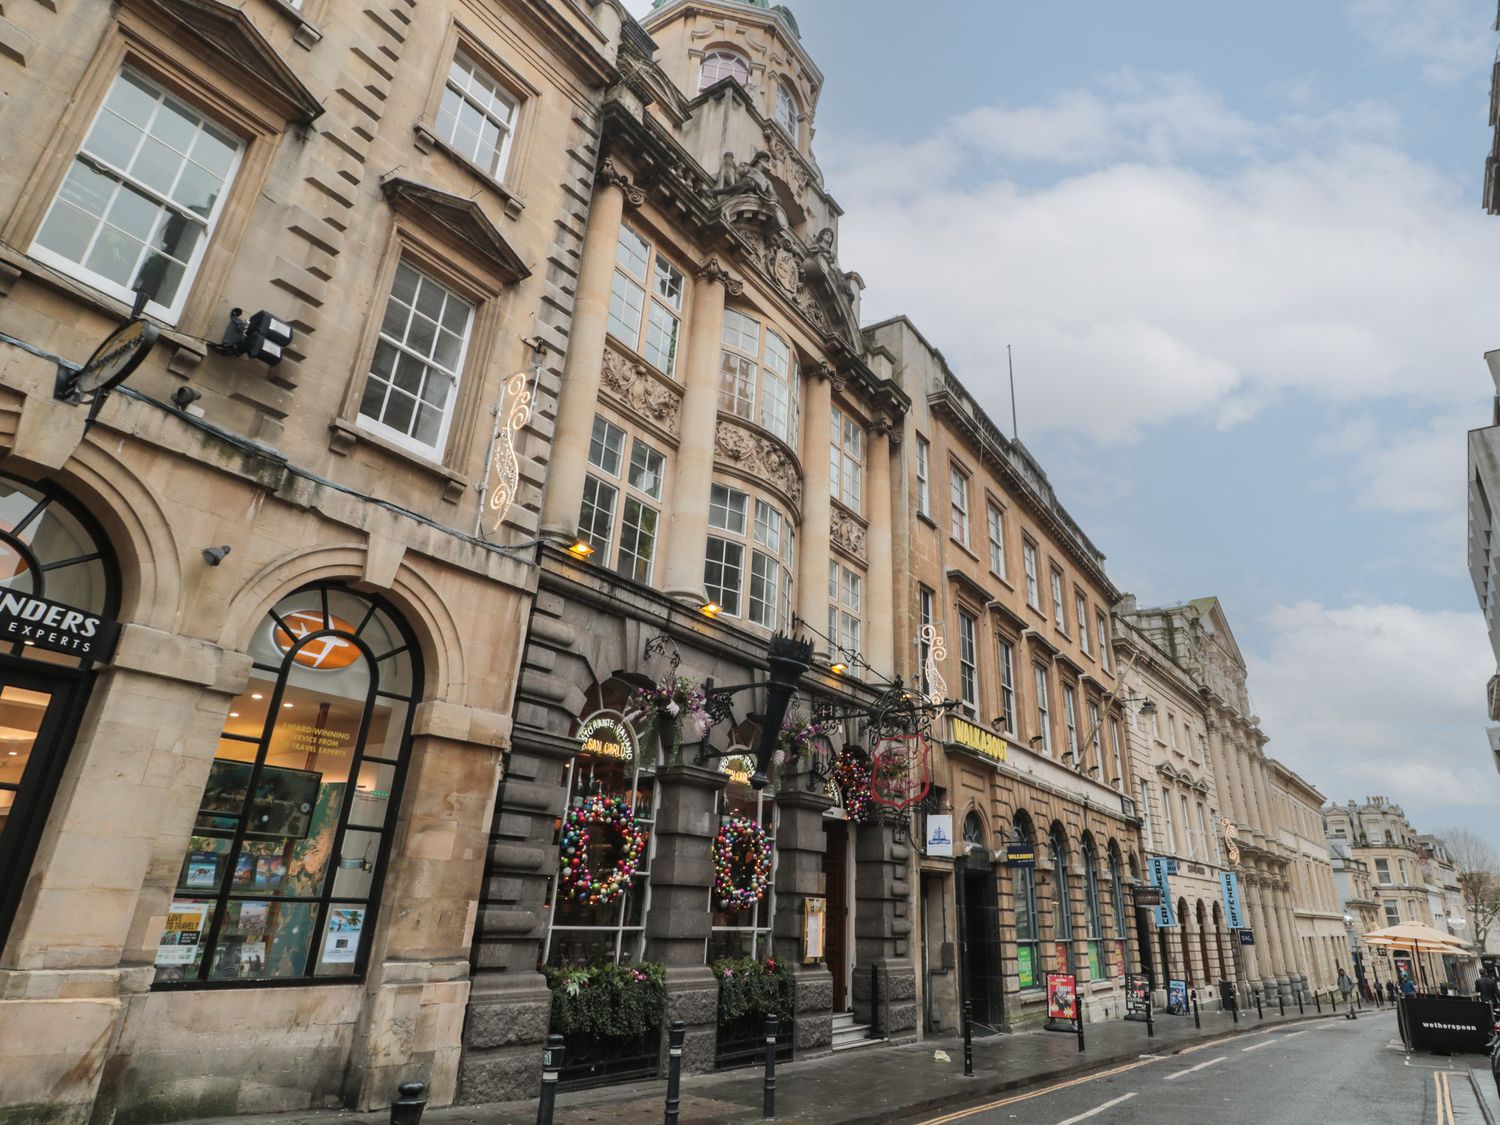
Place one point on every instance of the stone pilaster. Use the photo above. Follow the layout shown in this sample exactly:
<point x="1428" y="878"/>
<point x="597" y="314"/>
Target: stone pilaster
<point x="817" y="506"/>
<point x="885" y="982"/>
<point x="880" y="650"/>
<point x="568" y="463"/>
<point x="678" y="924"/>
<point x="692" y="481"/>
<point x="800" y="842"/>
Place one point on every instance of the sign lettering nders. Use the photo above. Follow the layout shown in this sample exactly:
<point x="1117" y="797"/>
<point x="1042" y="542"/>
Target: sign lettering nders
<point x="57" y="627"/>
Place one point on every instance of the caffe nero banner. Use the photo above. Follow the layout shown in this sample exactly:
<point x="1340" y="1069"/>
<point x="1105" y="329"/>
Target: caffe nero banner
<point x="57" y="627"/>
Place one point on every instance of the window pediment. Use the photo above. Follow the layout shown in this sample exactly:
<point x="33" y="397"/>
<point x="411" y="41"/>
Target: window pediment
<point x="461" y="220"/>
<point x="229" y="33"/>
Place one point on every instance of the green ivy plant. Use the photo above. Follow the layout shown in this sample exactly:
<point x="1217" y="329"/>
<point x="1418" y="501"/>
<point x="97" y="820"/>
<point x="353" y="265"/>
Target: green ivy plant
<point x="607" y="1001"/>
<point x="754" y="988"/>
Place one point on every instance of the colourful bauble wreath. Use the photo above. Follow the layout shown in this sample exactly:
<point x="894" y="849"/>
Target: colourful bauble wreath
<point x="741" y="844"/>
<point x="852" y="775"/>
<point x="579" y="880"/>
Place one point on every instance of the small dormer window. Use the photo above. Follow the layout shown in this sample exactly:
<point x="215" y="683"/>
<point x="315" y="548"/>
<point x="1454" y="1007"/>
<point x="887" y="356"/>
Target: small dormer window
<point x="788" y="112"/>
<point x="723" y="63"/>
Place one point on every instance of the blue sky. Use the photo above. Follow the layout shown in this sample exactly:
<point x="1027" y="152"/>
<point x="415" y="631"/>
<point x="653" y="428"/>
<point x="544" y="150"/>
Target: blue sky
<point x="1241" y="260"/>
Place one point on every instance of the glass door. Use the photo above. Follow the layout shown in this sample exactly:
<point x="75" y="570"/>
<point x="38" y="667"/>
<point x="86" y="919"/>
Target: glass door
<point x="33" y="712"/>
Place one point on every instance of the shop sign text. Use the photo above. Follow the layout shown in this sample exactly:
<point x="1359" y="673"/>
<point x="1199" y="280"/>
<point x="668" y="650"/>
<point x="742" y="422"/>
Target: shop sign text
<point x="606" y="736"/>
<point x="976" y="738"/>
<point x="57" y="627"/>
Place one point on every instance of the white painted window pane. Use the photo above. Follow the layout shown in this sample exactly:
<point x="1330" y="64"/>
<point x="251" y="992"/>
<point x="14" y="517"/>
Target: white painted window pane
<point x="632" y="253"/>
<point x="637" y="540"/>
<point x="741" y="332"/>
<point x="736" y="385"/>
<point x="606" y="446"/>
<point x="726" y="509"/>
<point x="662" y="329"/>
<point x="596" y="519"/>
<point x="723" y="573"/>
<point x="627" y="301"/>
<point x="667" y="282"/>
<point x="647" y="469"/>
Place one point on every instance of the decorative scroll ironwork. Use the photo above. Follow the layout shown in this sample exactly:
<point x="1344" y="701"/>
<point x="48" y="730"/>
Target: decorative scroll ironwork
<point x="663" y="645"/>
<point x="937" y="652"/>
<point x="506" y="464"/>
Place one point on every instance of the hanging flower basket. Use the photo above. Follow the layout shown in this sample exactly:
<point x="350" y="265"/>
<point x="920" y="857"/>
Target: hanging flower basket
<point x="586" y="823"/>
<point x="795" y="742"/>
<point x="852" y="776"/>
<point x="742" y="864"/>
<point x="671" y="709"/>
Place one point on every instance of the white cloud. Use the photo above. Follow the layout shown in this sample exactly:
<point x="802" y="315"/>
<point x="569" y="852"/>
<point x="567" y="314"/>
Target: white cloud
<point x="1451" y="37"/>
<point x="1309" y="255"/>
<point x="1381" y="699"/>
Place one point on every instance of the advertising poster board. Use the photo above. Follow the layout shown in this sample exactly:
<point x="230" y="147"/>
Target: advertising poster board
<point x="940" y="835"/>
<point x="1062" y="996"/>
<point x="1177" y="997"/>
<point x="1026" y="965"/>
<point x="183" y="933"/>
<point x="341" y="944"/>
<point x="1137" y="993"/>
<point x="814" y="929"/>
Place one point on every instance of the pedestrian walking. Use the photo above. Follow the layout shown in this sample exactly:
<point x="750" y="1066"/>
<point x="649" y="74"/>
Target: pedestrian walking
<point x="1390" y="991"/>
<point x="1346" y="987"/>
<point x="1408" y="988"/>
<point x="1488" y="989"/>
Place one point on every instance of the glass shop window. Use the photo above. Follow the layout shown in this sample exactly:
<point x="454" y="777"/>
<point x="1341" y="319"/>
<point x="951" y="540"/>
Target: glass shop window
<point x="282" y="875"/>
<point x="744" y="930"/>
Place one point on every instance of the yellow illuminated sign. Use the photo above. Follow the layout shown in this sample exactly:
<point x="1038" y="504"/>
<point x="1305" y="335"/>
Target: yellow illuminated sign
<point x="607" y="737"/>
<point x="976" y="738"/>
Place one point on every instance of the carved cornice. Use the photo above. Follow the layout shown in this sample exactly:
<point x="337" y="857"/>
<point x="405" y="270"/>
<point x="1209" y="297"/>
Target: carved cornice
<point x="759" y="458"/>
<point x="830" y="374"/>
<point x="639" y="392"/>
<point x="611" y="176"/>
<point x="714" y="270"/>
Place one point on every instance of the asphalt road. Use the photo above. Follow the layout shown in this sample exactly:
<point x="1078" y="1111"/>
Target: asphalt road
<point x="1334" y="1072"/>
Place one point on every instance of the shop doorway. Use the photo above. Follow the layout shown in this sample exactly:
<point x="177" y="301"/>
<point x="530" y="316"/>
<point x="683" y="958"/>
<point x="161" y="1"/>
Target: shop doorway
<point x="36" y="712"/>
<point x="981" y="971"/>
<point x="837" y="887"/>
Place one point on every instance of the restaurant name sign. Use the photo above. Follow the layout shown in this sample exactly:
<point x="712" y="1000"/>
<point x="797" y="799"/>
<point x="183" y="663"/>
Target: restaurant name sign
<point x="606" y="735"/>
<point x="973" y="737"/>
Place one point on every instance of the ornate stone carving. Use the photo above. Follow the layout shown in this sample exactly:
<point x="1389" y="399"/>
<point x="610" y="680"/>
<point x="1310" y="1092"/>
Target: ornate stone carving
<point x="760" y="458"/>
<point x="638" y="391"/>
<point x="714" y="270"/>
<point x="786" y="167"/>
<point x="848" y="534"/>
<point x="609" y="174"/>
<point x="828" y="371"/>
<point x="753" y="178"/>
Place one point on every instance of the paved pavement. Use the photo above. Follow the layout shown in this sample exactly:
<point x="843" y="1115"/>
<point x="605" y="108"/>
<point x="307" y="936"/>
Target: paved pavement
<point x="1331" y="1072"/>
<point x="868" y="1085"/>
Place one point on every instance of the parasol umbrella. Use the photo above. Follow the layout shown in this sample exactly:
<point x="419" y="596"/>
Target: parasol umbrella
<point x="1417" y="937"/>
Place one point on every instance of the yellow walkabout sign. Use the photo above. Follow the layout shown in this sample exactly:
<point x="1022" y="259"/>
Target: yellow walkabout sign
<point x="976" y="738"/>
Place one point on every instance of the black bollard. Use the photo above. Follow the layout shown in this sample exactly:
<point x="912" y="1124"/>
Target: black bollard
<point x="675" y="1036"/>
<point x="1281" y="1003"/>
<point x="409" y="1104"/>
<point x="968" y="1041"/>
<point x="1234" y="1008"/>
<point x="1359" y="1000"/>
<point x="768" y="1097"/>
<point x="1150" y="1027"/>
<point x="1318" y="1002"/>
<point x="1260" y="1012"/>
<point x="552" y="1057"/>
<point x="1300" y="1009"/>
<point x="1197" y="1022"/>
<point x="1078" y="1011"/>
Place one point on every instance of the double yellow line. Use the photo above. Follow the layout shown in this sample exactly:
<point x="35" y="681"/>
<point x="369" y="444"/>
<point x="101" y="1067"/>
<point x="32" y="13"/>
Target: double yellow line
<point x="1444" y="1096"/>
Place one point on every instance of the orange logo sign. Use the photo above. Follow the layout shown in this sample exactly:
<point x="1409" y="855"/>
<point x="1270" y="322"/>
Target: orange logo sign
<point x="326" y="653"/>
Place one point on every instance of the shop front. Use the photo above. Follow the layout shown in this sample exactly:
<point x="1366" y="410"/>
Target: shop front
<point x="655" y="845"/>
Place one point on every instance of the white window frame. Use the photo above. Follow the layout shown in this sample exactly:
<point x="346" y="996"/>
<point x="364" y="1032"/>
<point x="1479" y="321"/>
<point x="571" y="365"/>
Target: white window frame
<point x="507" y="128"/>
<point x="166" y="313"/>
<point x="727" y="538"/>
<point x="1101" y="631"/>
<point x="770" y="391"/>
<point x="924" y="483"/>
<point x="790" y="121"/>
<point x="1044" y="719"/>
<point x="1070" y="721"/>
<point x="433" y="452"/>
<point x="846" y="460"/>
<point x="968" y="662"/>
<point x="1118" y="781"/>
<point x="926" y="609"/>
<point x="722" y="55"/>
<point x="1081" y="611"/>
<point x="958" y="503"/>
<point x="1169" y="828"/>
<point x="845" y="612"/>
<point x="1033" y="586"/>
<point x="655" y="285"/>
<point x="995" y="525"/>
<point x="1059" y="606"/>
<point x="1007" y="656"/>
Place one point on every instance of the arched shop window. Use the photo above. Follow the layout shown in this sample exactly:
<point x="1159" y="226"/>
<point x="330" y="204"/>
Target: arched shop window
<point x="1062" y="906"/>
<point x="1023" y="895"/>
<point x="1098" y="969"/>
<point x="593" y="919"/>
<point x="282" y="876"/>
<point x="1117" y="900"/>
<point x="742" y="928"/>
<point x="50" y="552"/>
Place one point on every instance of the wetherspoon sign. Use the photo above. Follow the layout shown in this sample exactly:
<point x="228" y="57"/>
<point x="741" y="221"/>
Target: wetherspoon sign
<point x="57" y="627"/>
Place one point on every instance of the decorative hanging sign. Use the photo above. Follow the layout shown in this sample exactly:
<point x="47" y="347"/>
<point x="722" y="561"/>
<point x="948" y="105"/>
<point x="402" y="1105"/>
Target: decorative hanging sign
<point x="901" y="770"/>
<point x="1231" y="837"/>
<point x="1229" y="883"/>
<point x="605" y="734"/>
<point x="583" y="821"/>
<point x="505" y="464"/>
<point x="937" y="652"/>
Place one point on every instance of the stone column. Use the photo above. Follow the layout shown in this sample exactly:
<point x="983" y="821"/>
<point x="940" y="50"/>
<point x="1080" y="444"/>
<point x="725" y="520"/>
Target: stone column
<point x="568" y="459"/>
<point x="885" y="981"/>
<point x="678" y="924"/>
<point x="800" y="842"/>
<point x="817" y="505"/>
<point x="880" y="618"/>
<point x="1266" y="958"/>
<point x="1295" y="970"/>
<point x="692" y="479"/>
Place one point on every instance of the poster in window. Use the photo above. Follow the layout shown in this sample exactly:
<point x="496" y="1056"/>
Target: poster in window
<point x="252" y="921"/>
<point x="1026" y="965"/>
<point x="182" y="934"/>
<point x="202" y="870"/>
<point x="814" y="927"/>
<point x="341" y="944"/>
<point x="1062" y="996"/>
<point x="1096" y="972"/>
<point x="281" y="806"/>
<point x="269" y="872"/>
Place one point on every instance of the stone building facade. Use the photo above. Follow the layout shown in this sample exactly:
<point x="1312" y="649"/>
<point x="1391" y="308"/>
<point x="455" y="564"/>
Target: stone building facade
<point x="1362" y="913"/>
<point x="1177" y="795"/>
<point x="254" y="830"/>
<point x="1006" y="605"/>
<point x="1196" y="635"/>
<point x="722" y="464"/>
<point x="1316" y="903"/>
